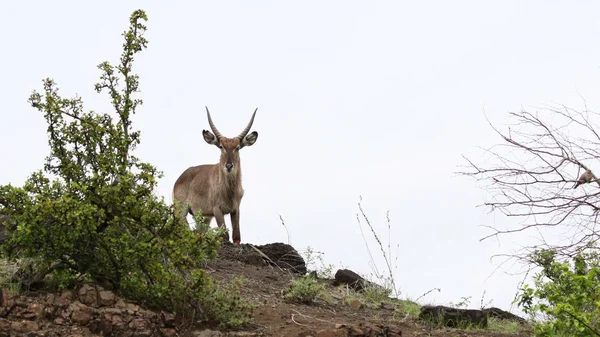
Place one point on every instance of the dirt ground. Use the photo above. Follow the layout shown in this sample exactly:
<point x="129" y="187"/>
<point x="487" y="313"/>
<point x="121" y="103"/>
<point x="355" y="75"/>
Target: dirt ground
<point x="275" y="316"/>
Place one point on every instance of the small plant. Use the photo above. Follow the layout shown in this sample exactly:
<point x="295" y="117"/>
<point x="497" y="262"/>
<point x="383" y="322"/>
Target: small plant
<point x="463" y="303"/>
<point x="63" y="279"/>
<point x="507" y="326"/>
<point x="409" y="307"/>
<point x="314" y="261"/>
<point x="305" y="290"/>
<point x="224" y="304"/>
<point x="376" y="294"/>
<point x="23" y="273"/>
<point x="14" y="288"/>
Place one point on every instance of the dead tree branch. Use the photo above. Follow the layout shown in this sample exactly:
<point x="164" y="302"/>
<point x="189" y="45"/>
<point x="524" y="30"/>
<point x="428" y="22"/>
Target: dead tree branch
<point x="530" y="175"/>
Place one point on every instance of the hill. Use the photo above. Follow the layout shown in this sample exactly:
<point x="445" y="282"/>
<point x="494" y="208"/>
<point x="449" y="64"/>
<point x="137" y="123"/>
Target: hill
<point x="266" y="273"/>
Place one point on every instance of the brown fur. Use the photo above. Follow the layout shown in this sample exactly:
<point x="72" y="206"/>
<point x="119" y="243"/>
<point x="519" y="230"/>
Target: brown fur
<point x="214" y="190"/>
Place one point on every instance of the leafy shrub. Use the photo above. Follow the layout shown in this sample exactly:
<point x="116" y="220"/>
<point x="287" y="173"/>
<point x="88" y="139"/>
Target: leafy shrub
<point x="566" y="293"/>
<point x="98" y="216"/>
<point x="305" y="290"/>
<point x="224" y="304"/>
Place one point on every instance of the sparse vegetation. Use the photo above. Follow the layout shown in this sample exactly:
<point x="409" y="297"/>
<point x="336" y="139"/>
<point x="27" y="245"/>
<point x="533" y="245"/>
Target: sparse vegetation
<point x="507" y="326"/>
<point x="315" y="262"/>
<point x="386" y="280"/>
<point x="224" y="305"/>
<point x="305" y="290"/>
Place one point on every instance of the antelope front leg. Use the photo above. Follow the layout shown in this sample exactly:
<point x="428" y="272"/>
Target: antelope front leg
<point x="221" y="222"/>
<point x="235" y="226"/>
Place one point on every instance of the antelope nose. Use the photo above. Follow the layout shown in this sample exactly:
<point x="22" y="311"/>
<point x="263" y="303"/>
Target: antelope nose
<point x="228" y="166"/>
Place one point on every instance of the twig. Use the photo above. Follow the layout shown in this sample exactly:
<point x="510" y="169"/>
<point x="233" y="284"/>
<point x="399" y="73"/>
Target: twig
<point x="427" y="293"/>
<point x="310" y="317"/>
<point x="294" y="320"/>
<point x="596" y="332"/>
<point x="286" y="230"/>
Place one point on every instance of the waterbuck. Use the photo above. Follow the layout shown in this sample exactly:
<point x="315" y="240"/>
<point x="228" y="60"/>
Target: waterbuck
<point x="216" y="190"/>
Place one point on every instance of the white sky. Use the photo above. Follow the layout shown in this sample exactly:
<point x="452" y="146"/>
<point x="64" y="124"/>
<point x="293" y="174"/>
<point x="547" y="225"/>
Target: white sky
<point x="371" y="98"/>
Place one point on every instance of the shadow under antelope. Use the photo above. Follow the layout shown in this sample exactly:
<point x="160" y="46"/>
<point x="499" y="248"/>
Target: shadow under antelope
<point x="216" y="190"/>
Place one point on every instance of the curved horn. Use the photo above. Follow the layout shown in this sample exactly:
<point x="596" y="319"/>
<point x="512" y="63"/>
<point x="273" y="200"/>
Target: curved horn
<point x="245" y="132"/>
<point x="212" y="125"/>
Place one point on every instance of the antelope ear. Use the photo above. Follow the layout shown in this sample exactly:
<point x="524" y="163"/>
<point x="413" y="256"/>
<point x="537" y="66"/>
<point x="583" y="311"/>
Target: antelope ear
<point x="250" y="139"/>
<point x="210" y="138"/>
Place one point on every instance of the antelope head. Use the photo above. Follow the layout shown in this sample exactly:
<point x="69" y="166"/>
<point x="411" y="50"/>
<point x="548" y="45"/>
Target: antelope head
<point x="230" y="147"/>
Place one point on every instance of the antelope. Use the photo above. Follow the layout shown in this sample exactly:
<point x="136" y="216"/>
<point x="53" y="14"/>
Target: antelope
<point x="216" y="190"/>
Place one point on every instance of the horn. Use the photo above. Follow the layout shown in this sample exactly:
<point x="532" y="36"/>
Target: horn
<point x="212" y="125"/>
<point x="245" y="132"/>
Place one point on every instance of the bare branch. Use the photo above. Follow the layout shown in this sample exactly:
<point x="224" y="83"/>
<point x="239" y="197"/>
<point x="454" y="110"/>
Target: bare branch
<point x="531" y="175"/>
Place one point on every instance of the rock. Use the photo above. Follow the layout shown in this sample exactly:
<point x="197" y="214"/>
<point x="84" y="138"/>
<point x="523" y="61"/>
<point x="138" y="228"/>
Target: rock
<point x="88" y="295"/>
<point x="68" y="295"/>
<point x="106" y="298"/>
<point x="168" y="332"/>
<point x="167" y="319"/>
<point x="328" y="333"/>
<point x="388" y="306"/>
<point x="453" y="317"/>
<point x="352" y="279"/>
<point x="49" y="312"/>
<point x="80" y="313"/>
<point x="207" y="333"/>
<point x="143" y="333"/>
<point x="4" y="327"/>
<point x="501" y="314"/>
<point x="356" y="304"/>
<point x="141" y="328"/>
<point x="132" y="308"/>
<point x="284" y="256"/>
<point x="61" y="302"/>
<point x="101" y="326"/>
<point x="24" y="326"/>
<point x="358" y="332"/>
<point x="6" y="302"/>
<point x="32" y="312"/>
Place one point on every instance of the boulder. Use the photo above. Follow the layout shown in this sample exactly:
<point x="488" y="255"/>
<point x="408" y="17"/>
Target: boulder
<point x="502" y="314"/>
<point x="284" y="256"/>
<point x="278" y="254"/>
<point x="453" y="317"/>
<point x="352" y="279"/>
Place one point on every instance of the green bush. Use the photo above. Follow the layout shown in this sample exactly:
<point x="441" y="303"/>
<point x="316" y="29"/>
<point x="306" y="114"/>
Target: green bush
<point x="305" y="290"/>
<point x="565" y="293"/>
<point x="91" y="211"/>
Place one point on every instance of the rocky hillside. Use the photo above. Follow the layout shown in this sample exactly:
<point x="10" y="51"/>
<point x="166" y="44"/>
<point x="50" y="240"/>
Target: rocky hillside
<point x="342" y="309"/>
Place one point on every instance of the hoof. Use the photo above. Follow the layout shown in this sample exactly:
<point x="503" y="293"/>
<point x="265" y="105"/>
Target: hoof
<point x="236" y="243"/>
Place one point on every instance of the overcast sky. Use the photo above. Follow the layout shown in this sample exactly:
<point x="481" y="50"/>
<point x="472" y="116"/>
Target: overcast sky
<point x="377" y="99"/>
